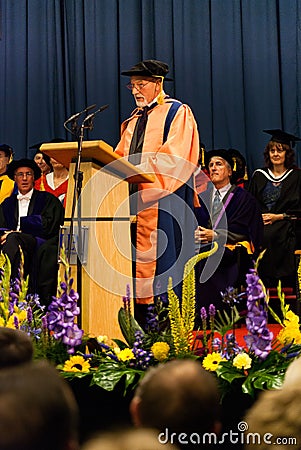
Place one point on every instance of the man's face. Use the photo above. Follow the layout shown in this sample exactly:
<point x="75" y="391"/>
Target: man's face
<point x="24" y="177"/>
<point x="219" y="172"/>
<point x="144" y="90"/>
<point x="4" y="160"/>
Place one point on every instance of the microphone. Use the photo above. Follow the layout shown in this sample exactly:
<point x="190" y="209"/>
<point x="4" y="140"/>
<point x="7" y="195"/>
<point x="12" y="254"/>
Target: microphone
<point x="76" y="116"/>
<point x="92" y="115"/>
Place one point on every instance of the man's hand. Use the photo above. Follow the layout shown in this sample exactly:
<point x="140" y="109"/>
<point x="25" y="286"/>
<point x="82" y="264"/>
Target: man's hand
<point x="203" y="235"/>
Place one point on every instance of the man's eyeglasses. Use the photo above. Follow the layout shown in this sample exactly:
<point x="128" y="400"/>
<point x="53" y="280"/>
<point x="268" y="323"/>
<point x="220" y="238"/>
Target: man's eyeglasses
<point x="24" y="174"/>
<point x="138" y="86"/>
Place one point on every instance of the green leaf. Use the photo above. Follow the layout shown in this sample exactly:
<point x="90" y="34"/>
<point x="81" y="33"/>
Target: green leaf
<point x="228" y="372"/>
<point x="109" y="375"/>
<point x="128" y="329"/>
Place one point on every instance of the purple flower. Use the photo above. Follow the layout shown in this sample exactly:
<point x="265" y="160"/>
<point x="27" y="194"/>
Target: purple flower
<point x="203" y="313"/>
<point x="61" y="316"/>
<point x="259" y="338"/>
<point x="212" y="310"/>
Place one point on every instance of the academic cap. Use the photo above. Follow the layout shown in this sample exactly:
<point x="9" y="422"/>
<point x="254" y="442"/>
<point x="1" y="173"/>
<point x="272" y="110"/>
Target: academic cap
<point x="14" y="165"/>
<point x="282" y="137"/>
<point x="38" y="145"/>
<point x="221" y="153"/>
<point x="149" y="68"/>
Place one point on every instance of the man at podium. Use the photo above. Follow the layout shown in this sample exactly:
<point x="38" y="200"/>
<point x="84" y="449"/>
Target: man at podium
<point x="160" y="136"/>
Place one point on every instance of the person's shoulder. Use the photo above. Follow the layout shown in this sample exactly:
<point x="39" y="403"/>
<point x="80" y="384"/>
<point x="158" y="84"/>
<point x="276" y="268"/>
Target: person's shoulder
<point x="47" y="196"/>
<point x="243" y="193"/>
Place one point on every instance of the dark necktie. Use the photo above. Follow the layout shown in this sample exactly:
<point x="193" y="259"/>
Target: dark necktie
<point x="216" y="206"/>
<point x="142" y="122"/>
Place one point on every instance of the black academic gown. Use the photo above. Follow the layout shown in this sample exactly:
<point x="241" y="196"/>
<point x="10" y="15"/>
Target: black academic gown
<point x="239" y="221"/>
<point x="45" y="215"/>
<point x="280" y="238"/>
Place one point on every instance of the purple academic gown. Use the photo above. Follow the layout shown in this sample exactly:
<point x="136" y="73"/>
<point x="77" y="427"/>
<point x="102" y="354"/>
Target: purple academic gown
<point x="239" y="220"/>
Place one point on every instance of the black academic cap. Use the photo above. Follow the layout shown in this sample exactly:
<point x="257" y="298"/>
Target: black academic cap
<point x="6" y="149"/>
<point x="149" y="68"/>
<point x="282" y="137"/>
<point x="221" y="153"/>
<point x="24" y="162"/>
<point x="38" y="145"/>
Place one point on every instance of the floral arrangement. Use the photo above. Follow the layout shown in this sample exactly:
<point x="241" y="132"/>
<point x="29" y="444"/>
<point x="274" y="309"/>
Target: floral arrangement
<point x="259" y="364"/>
<point x="54" y="332"/>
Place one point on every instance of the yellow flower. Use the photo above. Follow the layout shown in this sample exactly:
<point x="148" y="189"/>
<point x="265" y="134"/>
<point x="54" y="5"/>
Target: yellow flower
<point x="289" y="334"/>
<point x="160" y="350"/>
<point x="102" y="339"/>
<point x="212" y="361"/>
<point x="76" y="364"/>
<point x="242" y="361"/>
<point x="20" y="314"/>
<point x="126" y="354"/>
<point x="291" y="318"/>
<point x="116" y="350"/>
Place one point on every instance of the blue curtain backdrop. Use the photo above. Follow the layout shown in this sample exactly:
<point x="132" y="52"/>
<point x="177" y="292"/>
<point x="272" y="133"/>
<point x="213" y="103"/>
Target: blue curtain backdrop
<point x="235" y="62"/>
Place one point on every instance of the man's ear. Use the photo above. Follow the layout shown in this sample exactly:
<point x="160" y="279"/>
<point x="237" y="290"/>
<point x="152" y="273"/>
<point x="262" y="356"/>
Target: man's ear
<point x="134" y="411"/>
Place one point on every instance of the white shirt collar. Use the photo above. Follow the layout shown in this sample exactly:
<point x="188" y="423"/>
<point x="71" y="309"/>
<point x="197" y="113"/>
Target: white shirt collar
<point x="28" y="194"/>
<point x="223" y="191"/>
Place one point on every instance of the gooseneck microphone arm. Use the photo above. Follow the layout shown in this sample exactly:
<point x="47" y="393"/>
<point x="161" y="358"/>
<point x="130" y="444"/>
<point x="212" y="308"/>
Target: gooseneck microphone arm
<point x="73" y="119"/>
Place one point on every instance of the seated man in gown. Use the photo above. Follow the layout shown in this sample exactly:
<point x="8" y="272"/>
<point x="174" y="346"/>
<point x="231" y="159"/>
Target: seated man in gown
<point x="31" y="220"/>
<point x="230" y="216"/>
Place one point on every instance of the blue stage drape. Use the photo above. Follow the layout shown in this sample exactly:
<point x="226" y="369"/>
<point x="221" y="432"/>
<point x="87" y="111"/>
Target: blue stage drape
<point x="235" y="62"/>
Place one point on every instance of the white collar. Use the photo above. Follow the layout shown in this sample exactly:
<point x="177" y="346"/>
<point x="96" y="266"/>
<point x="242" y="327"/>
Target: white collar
<point x="27" y="195"/>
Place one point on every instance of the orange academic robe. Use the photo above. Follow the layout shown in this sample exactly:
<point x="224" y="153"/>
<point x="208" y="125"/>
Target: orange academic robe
<point x="173" y="160"/>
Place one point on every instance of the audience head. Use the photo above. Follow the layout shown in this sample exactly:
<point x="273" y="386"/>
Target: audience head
<point x="37" y="409"/>
<point x="275" y="416"/>
<point x="24" y="172"/>
<point x="6" y="155"/>
<point x="41" y="159"/>
<point x="128" y="439"/>
<point x="179" y="396"/>
<point x="15" y="347"/>
<point x="281" y="143"/>
<point x="293" y="374"/>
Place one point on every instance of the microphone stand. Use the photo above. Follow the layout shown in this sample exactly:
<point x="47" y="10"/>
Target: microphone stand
<point x="78" y="179"/>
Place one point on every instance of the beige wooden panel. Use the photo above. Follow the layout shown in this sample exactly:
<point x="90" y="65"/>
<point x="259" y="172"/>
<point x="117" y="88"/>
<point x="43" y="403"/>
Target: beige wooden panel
<point x="109" y="268"/>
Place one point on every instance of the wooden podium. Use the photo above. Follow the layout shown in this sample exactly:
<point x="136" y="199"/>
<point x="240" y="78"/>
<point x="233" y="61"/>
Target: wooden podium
<point x="102" y="212"/>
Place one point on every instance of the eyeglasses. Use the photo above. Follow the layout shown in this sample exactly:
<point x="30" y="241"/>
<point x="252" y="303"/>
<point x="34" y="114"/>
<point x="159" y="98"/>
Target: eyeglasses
<point x="138" y="86"/>
<point x="24" y="174"/>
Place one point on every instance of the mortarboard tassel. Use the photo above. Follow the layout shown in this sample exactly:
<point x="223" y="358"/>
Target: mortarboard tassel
<point x="160" y="98"/>
<point x="203" y="158"/>
<point x="234" y="163"/>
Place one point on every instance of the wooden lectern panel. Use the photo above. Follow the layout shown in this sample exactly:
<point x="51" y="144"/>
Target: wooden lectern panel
<point x="108" y="269"/>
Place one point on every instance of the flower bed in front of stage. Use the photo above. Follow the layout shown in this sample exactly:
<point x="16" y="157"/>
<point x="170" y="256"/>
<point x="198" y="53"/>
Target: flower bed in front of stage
<point x="258" y="363"/>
